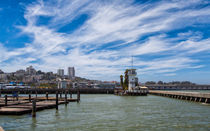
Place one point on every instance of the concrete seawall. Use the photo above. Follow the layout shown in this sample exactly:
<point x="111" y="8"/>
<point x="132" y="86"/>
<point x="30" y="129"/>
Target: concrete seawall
<point x="191" y="96"/>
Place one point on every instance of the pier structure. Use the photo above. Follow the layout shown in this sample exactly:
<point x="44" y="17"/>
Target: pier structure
<point x="21" y="104"/>
<point x="177" y="87"/>
<point x="190" y="96"/>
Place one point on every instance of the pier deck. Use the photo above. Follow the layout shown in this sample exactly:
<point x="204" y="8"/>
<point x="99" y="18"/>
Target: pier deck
<point x="191" y="96"/>
<point x="22" y="105"/>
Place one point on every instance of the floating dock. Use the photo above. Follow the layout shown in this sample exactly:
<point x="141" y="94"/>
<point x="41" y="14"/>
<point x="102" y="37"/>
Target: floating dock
<point x="191" y="96"/>
<point x="23" y="105"/>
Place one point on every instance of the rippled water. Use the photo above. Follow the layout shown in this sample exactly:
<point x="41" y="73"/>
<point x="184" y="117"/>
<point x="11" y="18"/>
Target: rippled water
<point x="110" y="112"/>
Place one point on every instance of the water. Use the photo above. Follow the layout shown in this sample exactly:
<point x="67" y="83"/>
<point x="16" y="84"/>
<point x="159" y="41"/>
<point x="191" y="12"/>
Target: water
<point x="110" y="112"/>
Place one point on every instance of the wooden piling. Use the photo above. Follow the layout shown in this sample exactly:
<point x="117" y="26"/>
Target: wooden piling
<point x="36" y="94"/>
<point x="47" y="95"/>
<point x="17" y="96"/>
<point x="34" y="108"/>
<point x="56" y="100"/>
<point x="207" y="100"/>
<point x="5" y="100"/>
<point x="0" y="93"/>
<point x="78" y="96"/>
<point x="70" y="94"/>
<point x="60" y="94"/>
<point x="29" y="97"/>
<point x="65" y="97"/>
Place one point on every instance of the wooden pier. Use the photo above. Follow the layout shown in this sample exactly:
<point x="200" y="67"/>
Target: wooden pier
<point x="20" y="105"/>
<point x="191" y="96"/>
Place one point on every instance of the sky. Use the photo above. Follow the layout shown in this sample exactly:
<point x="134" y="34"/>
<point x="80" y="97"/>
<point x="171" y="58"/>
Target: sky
<point x="169" y="40"/>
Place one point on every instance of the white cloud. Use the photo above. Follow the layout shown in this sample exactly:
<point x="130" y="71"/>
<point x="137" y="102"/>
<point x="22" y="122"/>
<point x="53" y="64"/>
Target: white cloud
<point x="108" y="22"/>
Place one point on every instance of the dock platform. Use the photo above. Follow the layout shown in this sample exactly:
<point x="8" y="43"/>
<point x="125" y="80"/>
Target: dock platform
<point x="23" y="105"/>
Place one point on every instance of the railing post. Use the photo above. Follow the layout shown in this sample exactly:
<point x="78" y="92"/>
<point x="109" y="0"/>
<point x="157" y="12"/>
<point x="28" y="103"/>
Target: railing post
<point x="34" y="108"/>
<point x="5" y="100"/>
<point x="56" y="100"/>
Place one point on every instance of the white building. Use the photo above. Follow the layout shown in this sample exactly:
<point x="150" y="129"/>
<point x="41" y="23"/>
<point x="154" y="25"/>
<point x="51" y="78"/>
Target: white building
<point x="131" y="79"/>
<point x="60" y="72"/>
<point x="62" y="83"/>
<point x="71" y="73"/>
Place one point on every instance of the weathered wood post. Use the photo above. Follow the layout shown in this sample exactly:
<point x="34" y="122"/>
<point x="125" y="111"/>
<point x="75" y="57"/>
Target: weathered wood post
<point x="36" y="93"/>
<point x="29" y="97"/>
<point x="78" y="96"/>
<point x="47" y="95"/>
<point x="61" y="94"/>
<point x="71" y="94"/>
<point x="34" y="108"/>
<point x="66" y="101"/>
<point x="17" y="95"/>
<point x="0" y="93"/>
<point x="56" y="100"/>
<point x="5" y="100"/>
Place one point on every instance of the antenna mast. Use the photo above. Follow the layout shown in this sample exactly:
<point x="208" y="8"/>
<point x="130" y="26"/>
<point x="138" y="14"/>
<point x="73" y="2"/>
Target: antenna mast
<point x="132" y="62"/>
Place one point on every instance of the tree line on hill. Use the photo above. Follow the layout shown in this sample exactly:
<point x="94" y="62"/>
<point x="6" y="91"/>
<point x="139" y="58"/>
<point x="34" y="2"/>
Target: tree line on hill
<point x="169" y="83"/>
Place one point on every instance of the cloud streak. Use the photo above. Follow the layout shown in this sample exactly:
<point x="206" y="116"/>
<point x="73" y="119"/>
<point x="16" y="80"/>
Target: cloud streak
<point x="102" y="46"/>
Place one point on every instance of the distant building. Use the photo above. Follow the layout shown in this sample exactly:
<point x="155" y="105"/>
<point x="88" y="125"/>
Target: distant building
<point x="20" y="73"/>
<point x="62" y="84"/>
<point x="30" y="70"/>
<point x="3" y="76"/>
<point x="71" y="73"/>
<point x="60" y="72"/>
<point x="1" y="72"/>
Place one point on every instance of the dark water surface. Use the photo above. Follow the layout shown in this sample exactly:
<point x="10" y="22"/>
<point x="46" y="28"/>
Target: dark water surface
<point x="110" y="112"/>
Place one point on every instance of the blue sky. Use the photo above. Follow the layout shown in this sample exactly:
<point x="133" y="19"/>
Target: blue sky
<point x="170" y="40"/>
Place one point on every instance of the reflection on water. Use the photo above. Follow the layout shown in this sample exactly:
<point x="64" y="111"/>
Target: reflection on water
<point x="109" y="112"/>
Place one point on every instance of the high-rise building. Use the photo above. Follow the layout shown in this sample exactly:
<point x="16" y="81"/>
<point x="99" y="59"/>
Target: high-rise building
<point x="1" y="72"/>
<point x="71" y="73"/>
<point x="60" y="72"/>
<point x="30" y="70"/>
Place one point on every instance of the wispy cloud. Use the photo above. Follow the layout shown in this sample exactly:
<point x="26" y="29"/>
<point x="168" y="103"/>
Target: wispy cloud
<point x="113" y="31"/>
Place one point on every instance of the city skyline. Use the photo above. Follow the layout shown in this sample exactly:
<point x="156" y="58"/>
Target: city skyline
<point x="168" y="39"/>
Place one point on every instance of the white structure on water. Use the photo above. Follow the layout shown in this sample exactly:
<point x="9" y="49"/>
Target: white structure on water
<point x="132" y="79"/>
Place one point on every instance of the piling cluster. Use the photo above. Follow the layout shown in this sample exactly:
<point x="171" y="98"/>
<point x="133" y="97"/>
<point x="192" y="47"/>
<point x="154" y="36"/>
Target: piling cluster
<point x="18" y="104"/>
<point x="190" y="96"/>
